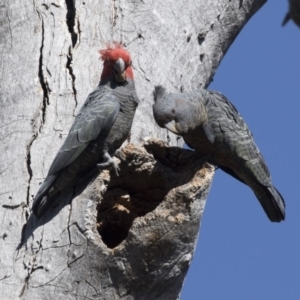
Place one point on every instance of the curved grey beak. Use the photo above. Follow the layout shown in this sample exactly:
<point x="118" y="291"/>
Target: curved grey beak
<point x="119" y="70"/>
<point x="172" y="127"/>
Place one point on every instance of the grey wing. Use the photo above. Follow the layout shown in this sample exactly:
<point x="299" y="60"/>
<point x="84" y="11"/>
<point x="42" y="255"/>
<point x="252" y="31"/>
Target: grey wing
<point x="237" y="137"/>
<point x="95" y="117"/>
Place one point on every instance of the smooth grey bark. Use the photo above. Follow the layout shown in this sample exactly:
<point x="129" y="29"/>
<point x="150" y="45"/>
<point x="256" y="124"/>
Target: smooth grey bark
<point x="131" y="237"/>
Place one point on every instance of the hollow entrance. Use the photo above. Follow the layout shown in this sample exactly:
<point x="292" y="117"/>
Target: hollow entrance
<point x="145" y="178"/>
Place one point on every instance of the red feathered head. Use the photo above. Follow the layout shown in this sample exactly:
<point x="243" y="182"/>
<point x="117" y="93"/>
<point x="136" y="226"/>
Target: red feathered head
<point x="110" y="55"/>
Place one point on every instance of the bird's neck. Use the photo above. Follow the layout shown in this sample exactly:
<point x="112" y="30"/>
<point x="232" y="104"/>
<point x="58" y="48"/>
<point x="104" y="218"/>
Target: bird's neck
<point x="112" y="84"/>
<point x="107" y="73"/>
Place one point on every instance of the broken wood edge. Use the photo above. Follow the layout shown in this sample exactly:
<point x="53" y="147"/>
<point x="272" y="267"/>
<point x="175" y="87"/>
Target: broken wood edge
<point x="154" y="175"/>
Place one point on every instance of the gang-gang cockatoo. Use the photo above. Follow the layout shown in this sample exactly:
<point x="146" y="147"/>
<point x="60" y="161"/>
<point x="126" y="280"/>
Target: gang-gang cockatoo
<point x="210" y="124"/>
<point x="100" y="128"/>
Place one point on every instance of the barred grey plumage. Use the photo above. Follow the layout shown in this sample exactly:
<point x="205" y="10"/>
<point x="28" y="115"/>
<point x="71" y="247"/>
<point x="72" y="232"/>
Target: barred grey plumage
<point x="100" y="128"/>
<point x="211" y="125"/>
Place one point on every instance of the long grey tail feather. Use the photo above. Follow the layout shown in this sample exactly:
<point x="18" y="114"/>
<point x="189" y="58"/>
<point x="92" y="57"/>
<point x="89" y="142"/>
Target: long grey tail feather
<point x="274" y="206"/>
<point x="45" y="203"/>
<point x="39" y="200"/>
<point x="270" y="199"/>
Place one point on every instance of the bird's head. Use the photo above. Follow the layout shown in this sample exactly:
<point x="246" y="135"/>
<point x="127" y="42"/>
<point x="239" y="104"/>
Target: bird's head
<point x="116" y="64"/>
<point x="173" y="111"/>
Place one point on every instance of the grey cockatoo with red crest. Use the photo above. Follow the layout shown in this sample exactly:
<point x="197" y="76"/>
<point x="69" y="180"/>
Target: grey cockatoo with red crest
<point x="210" y="124"/>
<point x="100" y="128"/>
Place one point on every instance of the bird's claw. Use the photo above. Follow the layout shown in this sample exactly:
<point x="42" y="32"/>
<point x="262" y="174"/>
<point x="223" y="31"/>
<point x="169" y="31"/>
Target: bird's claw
<point x="110" y="162"/>
<point x="116" y="168"/>
<point x="120" y="155"/>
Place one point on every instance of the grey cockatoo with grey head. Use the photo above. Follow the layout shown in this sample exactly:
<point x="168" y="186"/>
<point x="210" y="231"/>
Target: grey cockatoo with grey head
<point x="100" y="128"/>
<point x="212" y="126"/>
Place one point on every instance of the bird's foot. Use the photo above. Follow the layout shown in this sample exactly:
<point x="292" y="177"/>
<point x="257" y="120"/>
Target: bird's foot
<point x="120" y="155"/>
<point x="108" y="161"/>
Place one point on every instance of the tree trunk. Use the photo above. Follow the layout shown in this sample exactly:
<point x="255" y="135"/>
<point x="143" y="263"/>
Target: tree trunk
<point x="132" y="236"/>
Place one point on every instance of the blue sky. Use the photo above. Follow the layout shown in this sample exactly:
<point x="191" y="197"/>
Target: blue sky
<point x="240" y="254"/>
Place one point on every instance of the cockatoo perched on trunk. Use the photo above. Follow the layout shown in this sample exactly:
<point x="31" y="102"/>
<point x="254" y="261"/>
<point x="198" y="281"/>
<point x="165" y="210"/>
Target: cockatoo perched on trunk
<point x="212" y="126"/>
<point x="100" y="128"/>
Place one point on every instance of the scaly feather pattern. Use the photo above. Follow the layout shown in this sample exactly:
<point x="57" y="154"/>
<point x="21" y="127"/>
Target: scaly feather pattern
<point x="210" y="124"/>
<point x="100" y="128"/>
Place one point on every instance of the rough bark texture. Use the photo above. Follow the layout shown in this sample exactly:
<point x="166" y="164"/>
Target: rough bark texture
<point x="131" y="237"/>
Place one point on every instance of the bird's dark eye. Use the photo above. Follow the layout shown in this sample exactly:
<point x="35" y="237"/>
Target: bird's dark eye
<point x="173" y="111"/>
